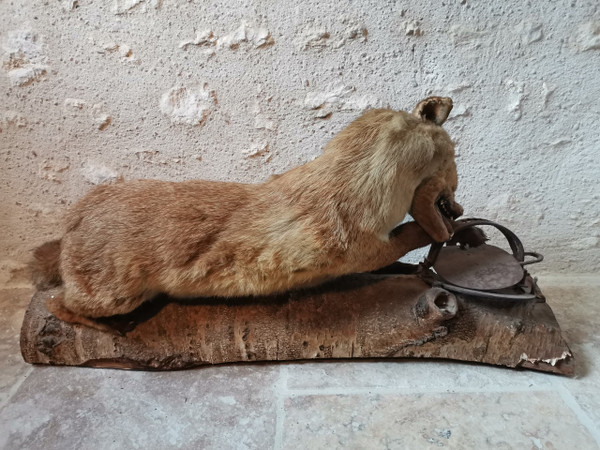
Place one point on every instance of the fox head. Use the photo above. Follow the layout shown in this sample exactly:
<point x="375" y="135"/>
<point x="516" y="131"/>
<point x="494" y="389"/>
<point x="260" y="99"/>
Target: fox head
<point x="433" y="205"/>
<point x="394" y="155"/>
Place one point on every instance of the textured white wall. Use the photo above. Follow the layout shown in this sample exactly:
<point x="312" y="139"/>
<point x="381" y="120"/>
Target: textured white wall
<point x="91" y="91"/>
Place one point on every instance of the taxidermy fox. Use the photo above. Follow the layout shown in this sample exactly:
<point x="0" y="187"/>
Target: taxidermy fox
<point x="338" y="214"/>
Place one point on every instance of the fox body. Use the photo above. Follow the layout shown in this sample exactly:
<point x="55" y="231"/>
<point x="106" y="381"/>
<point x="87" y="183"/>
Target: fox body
<point x="124" y="243"/>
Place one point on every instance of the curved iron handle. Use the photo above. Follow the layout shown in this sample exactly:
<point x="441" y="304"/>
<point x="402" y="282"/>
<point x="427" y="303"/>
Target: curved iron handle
<point x="513" y="241"/>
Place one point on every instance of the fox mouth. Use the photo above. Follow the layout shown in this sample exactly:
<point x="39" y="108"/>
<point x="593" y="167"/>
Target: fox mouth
<point x="445" y="208"/>
<point x="449" y="211"/>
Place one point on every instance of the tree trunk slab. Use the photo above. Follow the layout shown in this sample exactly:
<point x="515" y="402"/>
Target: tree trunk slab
<point x="358" y="316"/>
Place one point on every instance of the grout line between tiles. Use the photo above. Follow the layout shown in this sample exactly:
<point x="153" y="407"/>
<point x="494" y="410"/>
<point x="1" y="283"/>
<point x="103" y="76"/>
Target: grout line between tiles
<point x="411" y="390"/>
<point x="281" y="392"/>
<point x="15" y="387"/>
<point x="581" y="415"/>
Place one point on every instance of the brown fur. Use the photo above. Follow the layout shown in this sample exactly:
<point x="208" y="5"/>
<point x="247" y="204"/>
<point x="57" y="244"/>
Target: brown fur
<point x="45" y="265"/>
<point x="338" y="214"/>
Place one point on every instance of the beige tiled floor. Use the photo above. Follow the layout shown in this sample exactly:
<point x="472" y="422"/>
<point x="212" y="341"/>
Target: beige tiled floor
<point x="358" y="405"/>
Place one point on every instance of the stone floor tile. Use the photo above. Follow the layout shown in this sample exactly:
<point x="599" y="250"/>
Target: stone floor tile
<point x="577" y="310"/>
<point x="414" y="375"/>
<point x="13" y="303"/>
<point x="214" y="407"/>
<point x="589" y="401"/>
<point x="422" y="421"/>
<point x="587" y="367"/>
<point x="584" y="389"/>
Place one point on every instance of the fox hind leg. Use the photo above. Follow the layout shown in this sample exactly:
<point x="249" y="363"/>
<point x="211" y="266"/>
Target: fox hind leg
<point x="105" y="314"/>
<point x="55" y="305"/>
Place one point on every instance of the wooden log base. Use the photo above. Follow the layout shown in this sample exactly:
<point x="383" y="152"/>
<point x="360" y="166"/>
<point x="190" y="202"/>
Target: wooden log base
<point x="358" y="316"/>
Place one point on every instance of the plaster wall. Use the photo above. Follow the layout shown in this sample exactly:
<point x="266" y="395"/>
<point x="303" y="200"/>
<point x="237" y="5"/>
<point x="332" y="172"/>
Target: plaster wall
<point x="91" y="91"/>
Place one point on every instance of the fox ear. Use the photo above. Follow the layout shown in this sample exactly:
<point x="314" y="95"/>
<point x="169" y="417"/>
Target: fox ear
<point x="434" y="109"/>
